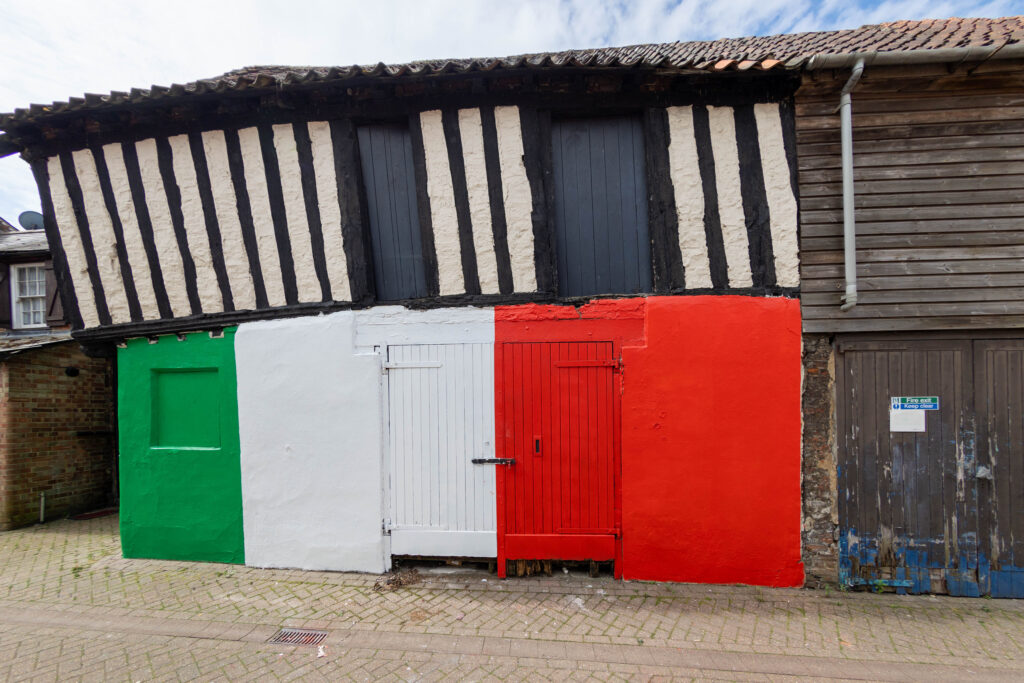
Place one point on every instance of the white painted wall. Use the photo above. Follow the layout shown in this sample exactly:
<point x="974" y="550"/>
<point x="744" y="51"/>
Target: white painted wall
<point x="312" y="430"/>
<point x="383" y="325"/>
<point x="310" y="424"/>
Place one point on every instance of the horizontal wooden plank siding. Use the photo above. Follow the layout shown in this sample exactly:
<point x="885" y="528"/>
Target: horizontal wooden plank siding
<point x="939" y="171"/>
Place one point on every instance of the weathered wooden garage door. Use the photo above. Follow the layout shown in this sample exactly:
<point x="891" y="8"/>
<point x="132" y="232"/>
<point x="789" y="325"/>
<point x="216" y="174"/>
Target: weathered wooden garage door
<point x="440" y="418"/>
<point x="558" y="417"/>
<point x="999" y="368"/>
<point x="929" y="511"/>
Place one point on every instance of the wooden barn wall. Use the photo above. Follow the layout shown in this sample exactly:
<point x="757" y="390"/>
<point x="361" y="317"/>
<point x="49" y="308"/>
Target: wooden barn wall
<point x="939" y="170"/>
<point x="240" y="223"/>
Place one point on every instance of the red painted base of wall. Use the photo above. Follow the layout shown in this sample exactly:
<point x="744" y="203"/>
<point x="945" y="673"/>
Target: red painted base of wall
<point x="711" y="443"/>
<point x="710" y="484"/>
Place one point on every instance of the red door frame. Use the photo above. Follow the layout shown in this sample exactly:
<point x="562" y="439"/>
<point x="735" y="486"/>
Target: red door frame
<point x="561" y="546"/>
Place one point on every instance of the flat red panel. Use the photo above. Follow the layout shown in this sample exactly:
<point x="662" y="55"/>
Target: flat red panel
<point x="559" y="547"/>
<point x="711" y="443"/>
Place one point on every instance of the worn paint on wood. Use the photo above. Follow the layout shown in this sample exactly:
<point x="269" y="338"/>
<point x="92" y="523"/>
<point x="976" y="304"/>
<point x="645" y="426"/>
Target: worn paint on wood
<point x="999" y="369"/>
<point x="935" y="511"/>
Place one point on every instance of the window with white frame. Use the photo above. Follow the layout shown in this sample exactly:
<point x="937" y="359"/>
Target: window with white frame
<point x="28" y="295"/>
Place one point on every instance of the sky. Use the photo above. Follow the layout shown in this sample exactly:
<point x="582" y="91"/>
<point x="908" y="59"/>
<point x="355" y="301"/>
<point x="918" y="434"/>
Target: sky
<point x="64" y="48"/>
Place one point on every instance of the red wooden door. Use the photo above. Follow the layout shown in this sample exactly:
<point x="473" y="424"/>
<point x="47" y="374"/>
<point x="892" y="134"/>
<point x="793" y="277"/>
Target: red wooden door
<point x="558" y="425"/>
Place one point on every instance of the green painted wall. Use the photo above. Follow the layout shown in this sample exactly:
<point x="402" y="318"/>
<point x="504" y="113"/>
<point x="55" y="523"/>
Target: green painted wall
<point x="181" y="480"/>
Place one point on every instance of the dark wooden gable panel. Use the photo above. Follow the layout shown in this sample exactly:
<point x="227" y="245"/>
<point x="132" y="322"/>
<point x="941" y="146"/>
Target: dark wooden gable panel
<point x="600" y="196"/>
<point x="386" y="156"/>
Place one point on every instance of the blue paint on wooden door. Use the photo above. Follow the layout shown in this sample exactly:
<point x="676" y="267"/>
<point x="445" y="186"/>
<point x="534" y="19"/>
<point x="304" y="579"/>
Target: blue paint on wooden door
<point x="939" y="510"/>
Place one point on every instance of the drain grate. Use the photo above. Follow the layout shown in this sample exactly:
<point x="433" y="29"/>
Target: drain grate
<point x="298" y="636"/>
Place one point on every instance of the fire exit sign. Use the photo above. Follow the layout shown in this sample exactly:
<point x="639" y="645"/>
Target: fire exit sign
<point x="915" y="403"/>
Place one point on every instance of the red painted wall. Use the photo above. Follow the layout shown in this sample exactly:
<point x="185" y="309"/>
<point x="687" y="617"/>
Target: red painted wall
<point x="710" y="485"/>
<point x="711" y="443"/>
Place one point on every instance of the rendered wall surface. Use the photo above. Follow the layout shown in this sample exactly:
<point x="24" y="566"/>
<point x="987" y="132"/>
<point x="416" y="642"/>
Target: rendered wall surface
<point x="710" y="430"/>
<point x="179" y="468"/>
<point x="310" y="417"/>
<point x="56" y="434"/>
<point x="711" y="443"/>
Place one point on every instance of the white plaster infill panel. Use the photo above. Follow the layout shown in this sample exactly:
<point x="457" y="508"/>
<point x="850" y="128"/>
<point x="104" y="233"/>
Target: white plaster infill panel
<point x="309" y="414"/>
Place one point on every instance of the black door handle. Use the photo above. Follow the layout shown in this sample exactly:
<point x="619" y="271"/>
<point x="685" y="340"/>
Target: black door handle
<point x="493" y="461"/>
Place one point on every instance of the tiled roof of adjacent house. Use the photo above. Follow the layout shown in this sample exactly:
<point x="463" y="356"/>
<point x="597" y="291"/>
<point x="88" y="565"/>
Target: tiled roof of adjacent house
<point x="788" y="51"/>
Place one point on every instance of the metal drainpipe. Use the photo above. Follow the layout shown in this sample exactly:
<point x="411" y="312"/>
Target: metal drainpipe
<point x="849" y="221"/>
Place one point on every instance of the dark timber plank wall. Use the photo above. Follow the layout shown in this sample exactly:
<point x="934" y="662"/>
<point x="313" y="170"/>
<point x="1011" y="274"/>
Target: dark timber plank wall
<point x="939" y="170"/>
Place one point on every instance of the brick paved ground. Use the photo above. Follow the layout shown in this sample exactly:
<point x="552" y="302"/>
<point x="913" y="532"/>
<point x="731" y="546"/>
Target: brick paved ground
<point x="71" y="608"/>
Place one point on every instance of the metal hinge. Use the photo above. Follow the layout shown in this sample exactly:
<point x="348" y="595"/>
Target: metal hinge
<point x="614" y="363"/>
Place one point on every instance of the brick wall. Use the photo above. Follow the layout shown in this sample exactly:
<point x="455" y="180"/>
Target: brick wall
<point x="820" y="511"/>
<point x="56" y="434"/>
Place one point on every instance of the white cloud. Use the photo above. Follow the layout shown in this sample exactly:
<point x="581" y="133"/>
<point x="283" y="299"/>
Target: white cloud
<point x="66" y="47"/>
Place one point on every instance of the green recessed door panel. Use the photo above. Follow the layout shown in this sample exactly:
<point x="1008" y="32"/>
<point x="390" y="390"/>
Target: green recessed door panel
<point x="181" y="481"/>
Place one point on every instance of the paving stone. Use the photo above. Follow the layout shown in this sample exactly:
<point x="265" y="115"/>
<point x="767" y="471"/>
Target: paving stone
<point x="72" y="608"/>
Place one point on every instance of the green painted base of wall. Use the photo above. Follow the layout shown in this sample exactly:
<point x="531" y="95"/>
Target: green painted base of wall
<point x="181" y="480"/>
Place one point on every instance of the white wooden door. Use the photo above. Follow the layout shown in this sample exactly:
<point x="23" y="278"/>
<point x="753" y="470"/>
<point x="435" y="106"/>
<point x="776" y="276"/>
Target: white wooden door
<point x="441" y="417"/>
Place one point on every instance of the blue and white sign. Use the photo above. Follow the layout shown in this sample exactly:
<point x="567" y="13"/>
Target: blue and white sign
<point x="915" y="403"/>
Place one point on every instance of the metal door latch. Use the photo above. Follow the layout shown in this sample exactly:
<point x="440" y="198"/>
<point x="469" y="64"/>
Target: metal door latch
<point x="493" y="461"/>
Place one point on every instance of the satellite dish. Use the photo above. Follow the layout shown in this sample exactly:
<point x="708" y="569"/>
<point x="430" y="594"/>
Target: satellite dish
<point x="31" y="220"/>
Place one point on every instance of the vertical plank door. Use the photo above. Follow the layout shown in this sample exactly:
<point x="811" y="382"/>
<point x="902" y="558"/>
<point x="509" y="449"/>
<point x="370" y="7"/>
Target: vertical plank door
<point x="908" y="504"/>
<point x="999" y="367"/>
<point x="441" y="417"/>
<point x="558" y="417"/>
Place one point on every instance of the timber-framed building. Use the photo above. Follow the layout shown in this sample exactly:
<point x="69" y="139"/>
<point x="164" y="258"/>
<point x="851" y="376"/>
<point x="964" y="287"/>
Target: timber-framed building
<point x="553" y="307"/>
